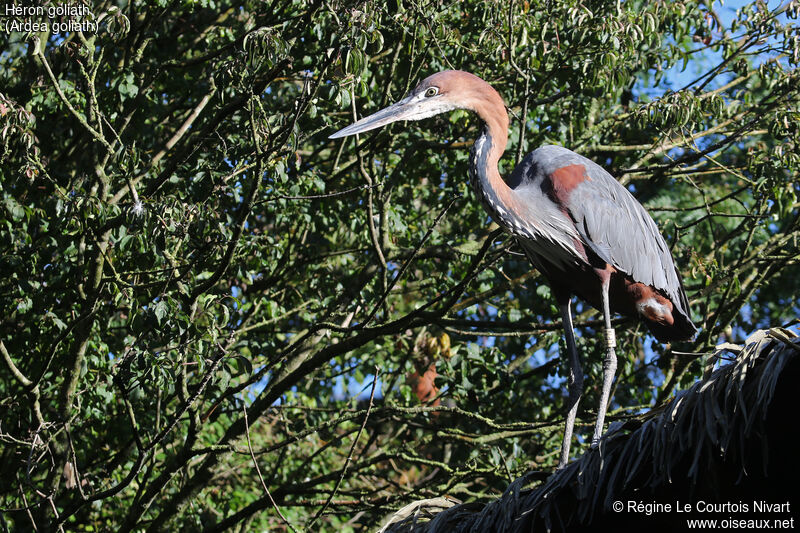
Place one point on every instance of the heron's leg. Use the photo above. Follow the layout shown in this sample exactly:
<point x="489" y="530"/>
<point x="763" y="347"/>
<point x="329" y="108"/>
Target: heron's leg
<point x="575" y="383"/>
<point x="609" y="363"/>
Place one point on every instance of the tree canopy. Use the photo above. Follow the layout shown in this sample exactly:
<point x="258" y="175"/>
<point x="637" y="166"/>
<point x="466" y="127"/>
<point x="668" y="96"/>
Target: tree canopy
<point x="212" y="314"/>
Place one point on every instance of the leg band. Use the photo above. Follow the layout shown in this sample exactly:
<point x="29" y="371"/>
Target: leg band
<point x="611" y="339"/>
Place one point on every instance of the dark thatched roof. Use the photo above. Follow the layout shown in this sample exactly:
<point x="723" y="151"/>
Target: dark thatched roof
<point x="731" y="437"/>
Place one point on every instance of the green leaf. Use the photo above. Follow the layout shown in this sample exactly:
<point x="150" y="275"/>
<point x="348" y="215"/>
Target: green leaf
<point x="468" y="247"/>
<point x="160" y="310"/>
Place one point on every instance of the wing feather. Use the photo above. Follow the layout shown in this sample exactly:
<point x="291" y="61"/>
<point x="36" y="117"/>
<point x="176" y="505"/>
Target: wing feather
<point x="608" y="219"/>
<point x="619" y="230"/>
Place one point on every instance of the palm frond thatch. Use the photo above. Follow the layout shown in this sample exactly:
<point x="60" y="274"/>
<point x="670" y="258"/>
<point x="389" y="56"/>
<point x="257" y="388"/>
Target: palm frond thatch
<point x="729" y="437"/>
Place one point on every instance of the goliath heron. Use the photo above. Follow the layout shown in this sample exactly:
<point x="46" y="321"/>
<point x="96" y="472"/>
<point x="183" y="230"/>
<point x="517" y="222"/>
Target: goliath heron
<point x="578" y="226"/>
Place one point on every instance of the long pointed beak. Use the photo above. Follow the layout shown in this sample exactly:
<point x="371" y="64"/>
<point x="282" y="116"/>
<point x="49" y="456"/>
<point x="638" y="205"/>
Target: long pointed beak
<point x="402" y="110"/>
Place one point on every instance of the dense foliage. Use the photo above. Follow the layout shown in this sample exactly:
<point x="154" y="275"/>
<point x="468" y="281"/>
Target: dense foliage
<point x="211" y="313"/>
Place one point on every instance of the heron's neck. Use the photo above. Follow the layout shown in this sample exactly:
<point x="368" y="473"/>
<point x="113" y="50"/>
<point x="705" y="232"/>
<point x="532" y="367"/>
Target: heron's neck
<point x="497" y="197"/>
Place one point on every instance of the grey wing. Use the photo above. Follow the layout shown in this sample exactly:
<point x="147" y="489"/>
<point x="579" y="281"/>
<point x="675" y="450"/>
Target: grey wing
<point x="619" y="230"/>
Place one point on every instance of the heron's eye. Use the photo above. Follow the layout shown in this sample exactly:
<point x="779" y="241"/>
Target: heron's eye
<point x="431" y="91"/>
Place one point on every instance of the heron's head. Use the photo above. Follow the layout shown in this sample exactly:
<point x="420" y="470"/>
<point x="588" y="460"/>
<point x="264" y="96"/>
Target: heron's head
<point x="441" y="92"/>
